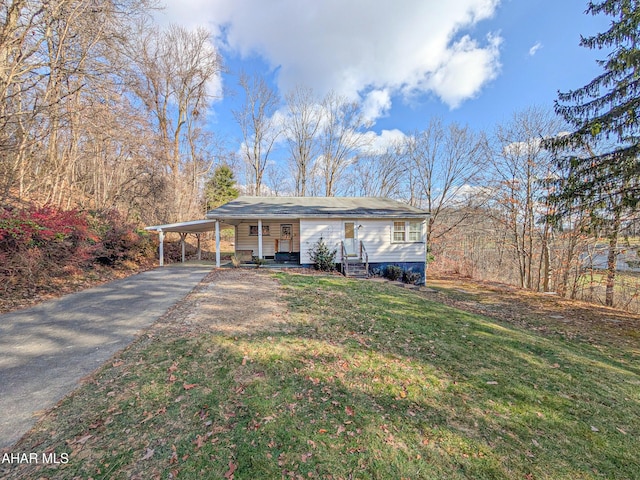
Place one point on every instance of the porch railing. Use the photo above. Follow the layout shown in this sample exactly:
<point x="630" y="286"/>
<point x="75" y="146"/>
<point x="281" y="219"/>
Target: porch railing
<point x="344" y="260"/>
<point x="364" y="256"/>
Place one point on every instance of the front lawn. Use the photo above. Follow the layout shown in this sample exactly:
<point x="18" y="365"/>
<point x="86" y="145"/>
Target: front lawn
<point x="363" y="380"/>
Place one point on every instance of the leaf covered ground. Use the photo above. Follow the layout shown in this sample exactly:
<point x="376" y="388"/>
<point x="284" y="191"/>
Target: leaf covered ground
<point x="297" y="376"/>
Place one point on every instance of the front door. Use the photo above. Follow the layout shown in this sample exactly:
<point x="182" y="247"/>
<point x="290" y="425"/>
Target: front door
<point x="286" y="235"/>
<point x="351" y="238"/>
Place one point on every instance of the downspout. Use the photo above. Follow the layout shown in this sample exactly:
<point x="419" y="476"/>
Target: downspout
<point x="426" y="250"/>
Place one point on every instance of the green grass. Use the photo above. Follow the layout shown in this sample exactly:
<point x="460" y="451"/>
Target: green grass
<point x="366" y="380"/>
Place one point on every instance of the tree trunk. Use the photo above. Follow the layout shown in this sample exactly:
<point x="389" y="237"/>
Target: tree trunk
<point x="612" y="258"/>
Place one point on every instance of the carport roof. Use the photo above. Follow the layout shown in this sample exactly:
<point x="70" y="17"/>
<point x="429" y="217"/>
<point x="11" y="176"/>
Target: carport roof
<point x="310" y="207"/>
<point x="194" y="226"/>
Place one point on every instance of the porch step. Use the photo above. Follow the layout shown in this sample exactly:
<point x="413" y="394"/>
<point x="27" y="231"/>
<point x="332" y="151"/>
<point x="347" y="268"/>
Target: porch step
<point x="357" y="270"/>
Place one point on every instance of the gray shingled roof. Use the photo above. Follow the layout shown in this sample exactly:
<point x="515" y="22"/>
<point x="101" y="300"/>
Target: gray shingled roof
<point x="309" y="207"/>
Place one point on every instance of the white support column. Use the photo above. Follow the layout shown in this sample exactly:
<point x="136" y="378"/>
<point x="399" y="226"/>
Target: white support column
<point x="199" y="249"/>
<point x="161" y="247"/>
<point x="183" y="237"/>
<point x="259" y="238"/>
<point x="217" y="244"/>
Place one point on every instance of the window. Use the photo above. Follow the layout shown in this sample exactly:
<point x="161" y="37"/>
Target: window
<point x="407" y="231"/>
<point x="415" y="231"/>
<point x="253" y="230"/>
<point x="399" y="230"/>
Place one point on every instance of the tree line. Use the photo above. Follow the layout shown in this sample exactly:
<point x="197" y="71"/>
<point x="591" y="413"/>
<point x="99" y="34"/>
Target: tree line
<point x="101" y="108"/>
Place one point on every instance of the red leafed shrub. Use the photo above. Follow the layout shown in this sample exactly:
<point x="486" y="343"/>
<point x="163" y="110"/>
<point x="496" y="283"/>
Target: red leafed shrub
<point x="37" y="243"/>
<point x="121" y="241"/>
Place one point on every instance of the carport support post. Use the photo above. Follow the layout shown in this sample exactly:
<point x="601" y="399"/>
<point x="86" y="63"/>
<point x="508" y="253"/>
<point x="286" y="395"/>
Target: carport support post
<point x="161" y="247"/>
<point x="199" y="249"/>
<point x="217" y="244"/>
<point x="259" y="238"/>
<point x="183" y="237"/>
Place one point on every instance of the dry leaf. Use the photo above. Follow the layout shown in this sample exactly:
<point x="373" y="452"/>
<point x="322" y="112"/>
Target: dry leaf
<point x="117" y="363"/>
<point x="149" y="454"/>
<point x="81" y="440"/>
<point x="594" y="429"/>
<point x="189" y="386"/>
<point x="232" y="468"/>
<point x="349" y="411"/>
<point x="492" y="382"/>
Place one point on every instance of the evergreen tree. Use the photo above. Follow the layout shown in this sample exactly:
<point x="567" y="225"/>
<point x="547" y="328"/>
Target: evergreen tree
<point x="220" y="188"/>
<point x="599" y="158"/>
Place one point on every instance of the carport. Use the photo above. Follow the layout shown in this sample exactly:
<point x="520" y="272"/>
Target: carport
<point x="195" y="227"/>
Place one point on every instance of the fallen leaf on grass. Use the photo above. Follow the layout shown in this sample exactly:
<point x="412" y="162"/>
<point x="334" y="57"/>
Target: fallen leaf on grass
<point x="594" y="429"/>
<point x="174" y="455"/>
<point x="492" y="382"/>
<point x="117" y="363"/>
<point x="349" y="411"/>
<point x="81" y="440"/>
<point x="149" y="454"/>
<point x="189" y="386"/>
<point x="232" y="468"/>
<point x="173" y="367"/>
<point x="621" y="431"/>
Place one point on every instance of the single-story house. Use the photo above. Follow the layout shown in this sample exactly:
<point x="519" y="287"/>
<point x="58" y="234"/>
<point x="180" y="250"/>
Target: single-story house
<point x="367" y="232"/>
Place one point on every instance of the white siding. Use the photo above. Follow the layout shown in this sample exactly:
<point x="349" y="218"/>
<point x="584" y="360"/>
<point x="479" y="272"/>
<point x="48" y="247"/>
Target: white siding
<point x="312" y="230"/>
<point x="375" y="234"/>
<point x="244" y="241"/>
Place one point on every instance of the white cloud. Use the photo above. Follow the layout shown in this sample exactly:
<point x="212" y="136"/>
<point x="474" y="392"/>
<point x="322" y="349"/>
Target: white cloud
<point x="533" y="50"/>
<point x="465" y="70"/>
<point x="376" y="104"/>
<point x="351" y="47"/>
<point x="379" y="143"/>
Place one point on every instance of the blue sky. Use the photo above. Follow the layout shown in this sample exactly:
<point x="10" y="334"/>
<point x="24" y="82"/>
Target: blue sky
<point x="474" y="62"/>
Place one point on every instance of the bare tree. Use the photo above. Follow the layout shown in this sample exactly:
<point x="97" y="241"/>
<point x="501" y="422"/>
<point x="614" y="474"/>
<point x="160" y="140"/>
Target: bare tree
<point x="172" y="75"/>
<point x="445" y="163"/>
<point x="381" y="174"/>
<point x="340" y="140"/>
<point x="519" y="163"/>
<point x="301" y="127"/>
<point x="259" y="128"/>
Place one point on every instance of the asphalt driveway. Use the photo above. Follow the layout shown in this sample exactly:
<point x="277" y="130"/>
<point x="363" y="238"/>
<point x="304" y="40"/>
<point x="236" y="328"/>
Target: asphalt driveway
<point x="46" y="350"/>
